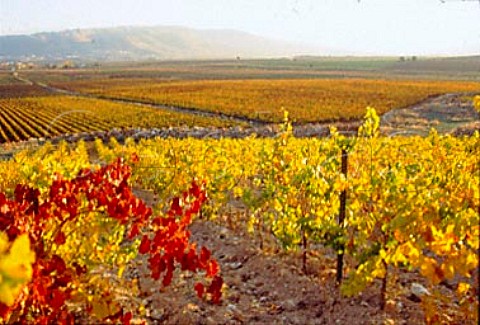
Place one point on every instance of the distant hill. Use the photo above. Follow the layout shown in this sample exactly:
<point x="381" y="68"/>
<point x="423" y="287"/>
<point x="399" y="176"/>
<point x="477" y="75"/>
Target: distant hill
<point x="139" y="43"/>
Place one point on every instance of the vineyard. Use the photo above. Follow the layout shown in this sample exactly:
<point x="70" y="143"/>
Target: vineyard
<point x="15" y="89"/>
<point x="306" y="100"/>
<point x="383" y="207"/>
<point x="43" y="117"/>
<point x="290" y="162"/>
<point x="271" y="228"/>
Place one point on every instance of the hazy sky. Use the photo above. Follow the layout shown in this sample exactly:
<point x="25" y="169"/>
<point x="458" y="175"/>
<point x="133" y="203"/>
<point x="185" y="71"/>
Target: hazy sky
<point x="368" y="27"/>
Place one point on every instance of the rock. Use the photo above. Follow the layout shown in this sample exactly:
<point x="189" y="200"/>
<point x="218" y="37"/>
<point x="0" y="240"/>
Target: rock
<point x="234" y="297"/>
<point x="210" y="321"/>
<point x="192" y="307"/>
<point x="232" y="307"/>
<point x="235" y="312"/>
<point x="235" y="265"/>
<point x="156" y="314"/>
<point x="418" y="290"/>
<point x="290" y="304"/>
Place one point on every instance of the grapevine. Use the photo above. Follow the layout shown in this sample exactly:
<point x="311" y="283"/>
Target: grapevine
<point x="58" y="275"/>
<point x="307" y="100"/>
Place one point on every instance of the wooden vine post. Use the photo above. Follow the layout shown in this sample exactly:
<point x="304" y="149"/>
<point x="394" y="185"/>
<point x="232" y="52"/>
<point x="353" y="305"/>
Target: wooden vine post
<point x="341" y="216"/>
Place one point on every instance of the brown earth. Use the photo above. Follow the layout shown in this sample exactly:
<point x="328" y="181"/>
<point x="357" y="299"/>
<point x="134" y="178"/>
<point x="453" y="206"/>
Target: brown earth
<point x="268" y="286"/>
<point x="449" y="113"/>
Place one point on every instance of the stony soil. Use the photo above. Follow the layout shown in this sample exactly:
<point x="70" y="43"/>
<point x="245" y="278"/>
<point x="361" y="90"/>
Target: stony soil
<point x="268" y="286"/>
<point x="449" y="113"/>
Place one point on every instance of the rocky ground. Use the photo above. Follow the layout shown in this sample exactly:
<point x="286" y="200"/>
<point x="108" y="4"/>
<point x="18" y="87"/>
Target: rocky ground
<point x="268" y="286"/>
<point x="449" y="113"/>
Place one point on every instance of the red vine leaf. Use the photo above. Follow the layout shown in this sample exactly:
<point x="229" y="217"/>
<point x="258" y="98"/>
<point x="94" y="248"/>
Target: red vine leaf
<point x="144" y="245"/>
<point x="127" y="318"/>
<point x="60" y="238"/>
<point x="200" y="289"/>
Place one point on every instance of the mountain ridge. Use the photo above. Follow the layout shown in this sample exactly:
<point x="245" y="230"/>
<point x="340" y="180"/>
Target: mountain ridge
<point x="145" y="42"/>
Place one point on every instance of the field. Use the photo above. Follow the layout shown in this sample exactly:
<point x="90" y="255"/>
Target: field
<point x="406" y="219"/>
<point x="11" y="87"/>
<point x="25" y="118"/>
<point x="457" y="68"/>
<point x="305" y="100"/>
<point x="272" y="229"/>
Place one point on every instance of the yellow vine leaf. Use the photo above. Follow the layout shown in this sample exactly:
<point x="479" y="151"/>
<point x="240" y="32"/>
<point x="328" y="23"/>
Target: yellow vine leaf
<point x="15" y="267"/>
<point x="462" y="288"/>
<point x="406" y="250"/>
<point x="476" y="102"/>
<point x="371" y="124"/>
<point x="103" y="308"/>
<point x="430" y="270"/>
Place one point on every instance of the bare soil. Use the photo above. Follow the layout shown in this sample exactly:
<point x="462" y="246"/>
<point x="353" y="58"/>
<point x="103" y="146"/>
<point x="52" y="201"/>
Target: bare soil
<point x="449" y="113"/>
<point x="268" y="286"/>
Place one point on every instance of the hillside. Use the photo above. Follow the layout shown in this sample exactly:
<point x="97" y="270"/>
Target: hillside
<point x="139" y="43"/>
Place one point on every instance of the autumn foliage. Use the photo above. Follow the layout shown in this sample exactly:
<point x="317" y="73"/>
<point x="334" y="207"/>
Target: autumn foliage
<point x="307" y="100"/>
<point x="47" y="216"/>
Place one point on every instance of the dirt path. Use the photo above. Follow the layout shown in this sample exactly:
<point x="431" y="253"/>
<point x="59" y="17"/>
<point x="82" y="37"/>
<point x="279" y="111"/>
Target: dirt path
<point x="173" y="108"/>
<point x="262" y="288"/>
<point x="255" y="126"/>
<point x="446" y="113"/>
